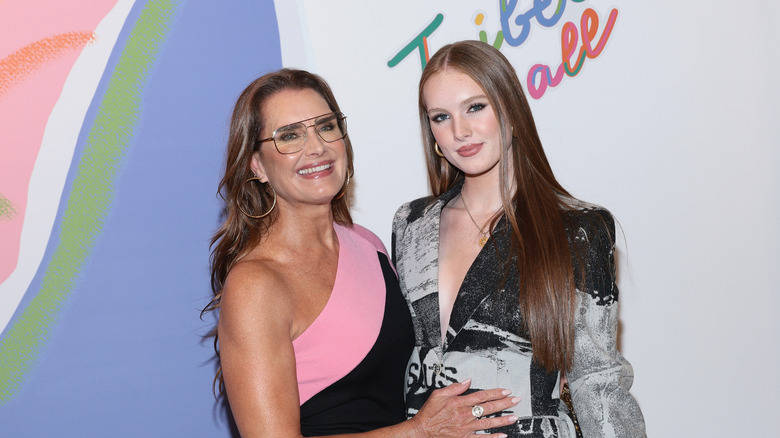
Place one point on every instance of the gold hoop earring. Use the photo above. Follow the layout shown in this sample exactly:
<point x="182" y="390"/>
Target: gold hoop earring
<point x="344" y="190"/>
<point x="437" y="149"/>
<point x="238" y="204"/>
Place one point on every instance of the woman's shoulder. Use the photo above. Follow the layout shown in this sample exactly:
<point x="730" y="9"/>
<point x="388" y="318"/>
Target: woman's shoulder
<point x="582" y="219"/>
<point x="254" y="298"/>
<point x="413" y="210"/>
<point x="255" y="280"/>
<point x="365" y="234"/>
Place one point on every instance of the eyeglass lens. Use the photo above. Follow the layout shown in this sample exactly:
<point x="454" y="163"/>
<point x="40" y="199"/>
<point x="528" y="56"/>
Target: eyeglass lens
<point x="329" y="128"/>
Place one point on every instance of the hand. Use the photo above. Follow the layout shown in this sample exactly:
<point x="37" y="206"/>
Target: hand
<point x="448" y="414"/>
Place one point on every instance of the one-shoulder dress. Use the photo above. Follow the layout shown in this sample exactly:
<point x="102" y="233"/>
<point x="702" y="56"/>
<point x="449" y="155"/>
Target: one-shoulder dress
<point x="351" y="361"/>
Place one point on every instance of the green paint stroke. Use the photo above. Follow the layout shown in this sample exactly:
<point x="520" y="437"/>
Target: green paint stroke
<point x="7" y="210"/>
<point x="91" y="195"/>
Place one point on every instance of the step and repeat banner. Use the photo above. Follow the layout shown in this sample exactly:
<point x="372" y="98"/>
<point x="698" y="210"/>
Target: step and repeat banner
<point x="113" y="123"/>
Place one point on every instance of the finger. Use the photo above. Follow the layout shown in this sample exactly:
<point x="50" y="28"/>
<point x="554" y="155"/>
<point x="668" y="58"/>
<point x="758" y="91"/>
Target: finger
<point x="452" y="389"/>
<point x="491" y="407"/>
<point x="485" y="395"/>
<point x="493" y="422"/>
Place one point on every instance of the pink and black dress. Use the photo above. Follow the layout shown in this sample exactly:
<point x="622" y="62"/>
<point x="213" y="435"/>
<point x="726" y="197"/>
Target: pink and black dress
<point x="352" y="360"/>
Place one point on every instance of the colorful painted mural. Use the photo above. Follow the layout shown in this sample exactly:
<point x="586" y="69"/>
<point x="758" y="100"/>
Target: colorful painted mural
<point x="40" y="59"/>
<point x="77" y="91"/>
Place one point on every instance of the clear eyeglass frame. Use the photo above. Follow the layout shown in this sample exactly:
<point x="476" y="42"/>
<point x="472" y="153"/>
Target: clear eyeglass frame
<point x="289" y="139"/>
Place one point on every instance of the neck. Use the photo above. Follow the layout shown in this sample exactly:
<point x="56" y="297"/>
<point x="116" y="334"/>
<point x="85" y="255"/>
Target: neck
<point x="303" y="227"/>
<point x="481" y="195"/>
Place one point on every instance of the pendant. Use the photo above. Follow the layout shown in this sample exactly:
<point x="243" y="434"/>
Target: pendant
<point x="483" y="240"/>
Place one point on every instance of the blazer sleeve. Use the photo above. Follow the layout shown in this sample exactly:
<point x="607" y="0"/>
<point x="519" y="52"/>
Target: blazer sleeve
<point x="399" y="226"/>
<point x="600" y="377"/>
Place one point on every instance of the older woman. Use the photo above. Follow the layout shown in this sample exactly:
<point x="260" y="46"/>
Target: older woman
<point x="511" y="279"/>
<point x="313" y="333"/>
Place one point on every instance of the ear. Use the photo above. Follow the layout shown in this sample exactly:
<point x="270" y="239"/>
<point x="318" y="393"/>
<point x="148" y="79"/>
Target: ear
<point x="257" y="167"/>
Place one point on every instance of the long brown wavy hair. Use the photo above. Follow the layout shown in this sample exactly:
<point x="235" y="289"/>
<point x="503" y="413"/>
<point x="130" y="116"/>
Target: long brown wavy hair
<point x="239" y="234"/>
<point x="538" y="238"/>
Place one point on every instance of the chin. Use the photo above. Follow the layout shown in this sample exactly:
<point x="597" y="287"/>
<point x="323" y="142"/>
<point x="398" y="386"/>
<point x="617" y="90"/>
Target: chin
<point x="476" y="170"/>
<point x="326" y="198"/>
<point x="479" y="168"/>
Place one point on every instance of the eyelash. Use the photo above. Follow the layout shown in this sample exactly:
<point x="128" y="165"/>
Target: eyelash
<point x="473" y="108"/>
<point x="438" y="118"/>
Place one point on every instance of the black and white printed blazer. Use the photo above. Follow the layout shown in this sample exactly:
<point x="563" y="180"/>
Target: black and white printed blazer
<point x="485" y="340"/>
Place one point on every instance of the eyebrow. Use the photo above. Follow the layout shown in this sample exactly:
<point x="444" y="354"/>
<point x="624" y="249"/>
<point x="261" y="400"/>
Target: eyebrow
<point x="325" y="117"/>
<point x="289" y="127"/>
<point x="464" y="102"/>
<point x="473" y="98"/>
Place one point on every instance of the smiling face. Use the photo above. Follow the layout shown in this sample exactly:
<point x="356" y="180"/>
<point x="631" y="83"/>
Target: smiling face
<point x="463" y="122"/>
<point x="313" y="175"/>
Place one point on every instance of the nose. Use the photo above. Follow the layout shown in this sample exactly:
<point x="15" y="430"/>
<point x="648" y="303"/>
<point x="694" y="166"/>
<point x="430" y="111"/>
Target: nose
<point x="461" y="128"/>
<point x="312" y="143"/>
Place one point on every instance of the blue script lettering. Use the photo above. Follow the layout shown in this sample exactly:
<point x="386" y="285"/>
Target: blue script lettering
<point x="523" y="21"/>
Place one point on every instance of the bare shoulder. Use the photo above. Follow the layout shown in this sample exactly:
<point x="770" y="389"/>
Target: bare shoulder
<point x="254" y="296"/>
<point x="256" y="351"/>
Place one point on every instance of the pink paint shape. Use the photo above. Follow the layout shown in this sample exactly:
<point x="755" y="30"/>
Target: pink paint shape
<point x="38" y="48"/>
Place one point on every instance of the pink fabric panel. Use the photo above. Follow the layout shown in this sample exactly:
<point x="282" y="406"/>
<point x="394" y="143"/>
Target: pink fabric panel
<point x="371" y="237"/>
<point x="347" y="328"/>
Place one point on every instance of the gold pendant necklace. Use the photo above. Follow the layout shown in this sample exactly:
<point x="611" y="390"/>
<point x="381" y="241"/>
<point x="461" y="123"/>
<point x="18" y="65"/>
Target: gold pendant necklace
<point x="482" y="240"/>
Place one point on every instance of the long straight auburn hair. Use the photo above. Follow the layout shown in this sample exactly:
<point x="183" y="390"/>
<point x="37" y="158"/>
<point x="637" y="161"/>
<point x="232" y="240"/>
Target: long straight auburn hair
<point x="533" y="200"/>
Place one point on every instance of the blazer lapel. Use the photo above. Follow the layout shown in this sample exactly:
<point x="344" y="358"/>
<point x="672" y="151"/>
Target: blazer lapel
<point x="421" y="270"/>
<point x="482" y="279"/>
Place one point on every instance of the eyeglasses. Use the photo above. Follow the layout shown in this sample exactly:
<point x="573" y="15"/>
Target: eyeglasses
<point x="289" y="139"/>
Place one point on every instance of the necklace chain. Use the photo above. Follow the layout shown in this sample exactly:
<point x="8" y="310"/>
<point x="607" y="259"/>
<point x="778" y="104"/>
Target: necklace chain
<point x="482" y="240"/>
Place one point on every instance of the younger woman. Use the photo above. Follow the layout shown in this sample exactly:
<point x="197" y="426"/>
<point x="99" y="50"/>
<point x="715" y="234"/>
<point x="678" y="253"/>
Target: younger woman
<point x="511" y="279"/>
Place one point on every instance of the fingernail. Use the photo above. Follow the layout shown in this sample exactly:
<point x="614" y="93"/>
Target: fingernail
<point x="503" y="435"/>
<point x="515" y="400"/>
<point x="466" y="382"/>
<point x="513" y="419"/>
<point x="506" y="392"/>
